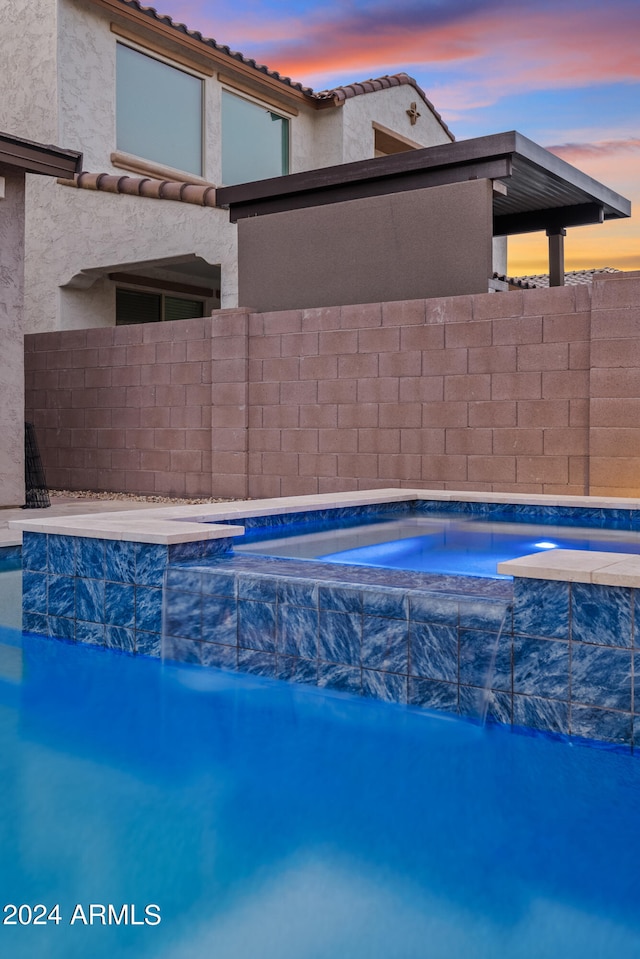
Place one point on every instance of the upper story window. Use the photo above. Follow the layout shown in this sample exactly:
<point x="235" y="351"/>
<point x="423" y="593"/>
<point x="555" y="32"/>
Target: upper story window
<point x="158" y="111"/>
<point x="255" y="141"/>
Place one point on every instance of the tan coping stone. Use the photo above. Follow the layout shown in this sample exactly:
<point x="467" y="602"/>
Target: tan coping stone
<point x="121" y="525"/>
<point x="624" y="573"/>
<point x="567" y="565"/>
<point x="9" y="537"/>
<point x="160" y="531"/>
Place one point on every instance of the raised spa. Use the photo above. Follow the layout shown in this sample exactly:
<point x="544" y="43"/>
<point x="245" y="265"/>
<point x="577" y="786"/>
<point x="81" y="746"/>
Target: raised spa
<point x="552" y="643"/>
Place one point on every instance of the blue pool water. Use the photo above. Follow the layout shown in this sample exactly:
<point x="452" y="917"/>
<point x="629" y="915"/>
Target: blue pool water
<point x="10" y="587"/>
<point x="447" y="545"/>
<point x="274" y="821"/>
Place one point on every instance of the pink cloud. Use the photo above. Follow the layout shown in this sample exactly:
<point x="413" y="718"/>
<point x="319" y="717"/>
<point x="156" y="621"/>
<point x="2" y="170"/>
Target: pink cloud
<point x="509" y="48"/>
<point x="572" y="152"/>
<point x="614" y="162"/>
<point x="473" y="51"/>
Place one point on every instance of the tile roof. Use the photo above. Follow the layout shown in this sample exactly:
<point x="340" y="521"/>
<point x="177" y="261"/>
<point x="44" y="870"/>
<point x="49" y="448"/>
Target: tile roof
<point x="524" y="282"/>
<point x="340" y="94"/>
<point x="153" y="14"/>
<point x="198" y="194"/>
<point x="572" y="278"/>
<point x="337" y="95"/>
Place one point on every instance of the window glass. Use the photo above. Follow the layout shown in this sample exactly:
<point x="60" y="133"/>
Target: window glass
<point x="255" y="141"/>
<point x="158" y="111"/>
<point x="140" y="307"/>
<point x="179" y="309"/>
<point x="132" y="307"/>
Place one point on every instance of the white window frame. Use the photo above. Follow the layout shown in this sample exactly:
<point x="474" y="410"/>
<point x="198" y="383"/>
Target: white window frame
<point x="271" y="106"/>
<point x="182" y="68"/>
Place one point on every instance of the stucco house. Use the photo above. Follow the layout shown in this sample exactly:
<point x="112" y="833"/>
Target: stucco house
<point x="163" y="117"/>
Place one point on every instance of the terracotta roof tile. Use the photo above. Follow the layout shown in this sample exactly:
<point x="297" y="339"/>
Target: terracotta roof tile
<point x="520" y="281"/>
<point x="572" y="278"/>
<point x="199" y="195"/>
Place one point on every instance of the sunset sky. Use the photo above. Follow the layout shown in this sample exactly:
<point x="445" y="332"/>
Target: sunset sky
<point x="565" y="73"/>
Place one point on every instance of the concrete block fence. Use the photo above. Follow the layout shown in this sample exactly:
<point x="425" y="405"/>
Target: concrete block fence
<point x="528" y="391"/>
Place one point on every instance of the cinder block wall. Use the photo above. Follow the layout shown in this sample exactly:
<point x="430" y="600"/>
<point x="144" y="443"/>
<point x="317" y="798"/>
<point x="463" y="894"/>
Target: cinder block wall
<point x="485" y="392"/>
<point x="124" y="408"/>
<point x="528" y="391"/>
<point x="614" y="420"/>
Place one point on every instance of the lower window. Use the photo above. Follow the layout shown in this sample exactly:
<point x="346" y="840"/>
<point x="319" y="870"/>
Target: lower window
<point x="135" y="307"/>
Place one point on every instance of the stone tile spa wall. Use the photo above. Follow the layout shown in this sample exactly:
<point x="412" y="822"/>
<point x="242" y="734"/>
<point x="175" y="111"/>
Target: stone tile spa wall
<point x="557" y="656"/>
<point x="562" y="657"/>
<point x="527" y="391"/>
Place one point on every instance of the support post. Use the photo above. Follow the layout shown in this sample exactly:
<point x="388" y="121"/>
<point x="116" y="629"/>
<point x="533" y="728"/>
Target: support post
<point x="556" y="255"/>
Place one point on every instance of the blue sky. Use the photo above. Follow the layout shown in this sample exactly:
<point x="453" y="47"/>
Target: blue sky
<point x="565" y="73"/>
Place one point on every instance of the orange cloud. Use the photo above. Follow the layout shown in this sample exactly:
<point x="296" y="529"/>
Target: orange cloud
<point x="588" y="248"/>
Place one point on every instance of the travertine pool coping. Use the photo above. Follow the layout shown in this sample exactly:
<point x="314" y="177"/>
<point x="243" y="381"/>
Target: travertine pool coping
<point x="10" y="537"/>
<point x="577" y="566"/>
<point x="168" y="525"/>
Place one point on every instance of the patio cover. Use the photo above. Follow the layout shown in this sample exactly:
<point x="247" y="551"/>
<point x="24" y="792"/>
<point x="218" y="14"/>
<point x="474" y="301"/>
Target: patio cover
<point x="535" y="190"/>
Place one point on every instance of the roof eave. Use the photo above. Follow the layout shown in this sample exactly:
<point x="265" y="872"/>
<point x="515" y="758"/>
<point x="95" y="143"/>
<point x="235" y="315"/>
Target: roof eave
<point x="27" y="156"/>
<point x="615" y="205"/>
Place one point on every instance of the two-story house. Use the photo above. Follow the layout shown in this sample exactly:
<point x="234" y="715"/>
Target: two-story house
<point x="163" y="116"/>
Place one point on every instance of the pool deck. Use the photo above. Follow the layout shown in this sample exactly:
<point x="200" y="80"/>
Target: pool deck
<point x="169" y="525"/>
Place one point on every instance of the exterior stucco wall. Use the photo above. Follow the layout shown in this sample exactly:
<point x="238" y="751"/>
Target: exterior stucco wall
<point x="94" y="230"/>
<point x="28" y="57"/>
<point x="86" y="230"/>
<point x="420" y="243"/>
<point x="86" y="70"/>
<point x="325" y="143"/>
<point x="11" y="340"/>
<point x="388" y="108"/>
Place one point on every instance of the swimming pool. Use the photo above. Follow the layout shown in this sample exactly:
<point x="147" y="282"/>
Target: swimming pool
<point x="449" y="544"/>
<point x="272" y="820"/>
<point x="11" y="587"/>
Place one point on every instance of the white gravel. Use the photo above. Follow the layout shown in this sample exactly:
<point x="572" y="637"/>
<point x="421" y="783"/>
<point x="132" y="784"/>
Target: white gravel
<point x="64" y="494"/>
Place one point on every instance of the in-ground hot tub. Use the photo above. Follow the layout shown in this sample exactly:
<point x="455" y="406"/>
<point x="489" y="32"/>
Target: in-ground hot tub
<point x="446" y="543"/>
<point x="555" y="648"/>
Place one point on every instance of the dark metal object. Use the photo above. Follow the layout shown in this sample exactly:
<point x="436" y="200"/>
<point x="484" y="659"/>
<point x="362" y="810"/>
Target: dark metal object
<point x="543" y="191"/>
<point x="28" y="157"/>
<point x="36" y="491"/>
<point x="495" y="169"/>
<point x="556" y="256"/>
<point x="555" y="218"/>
